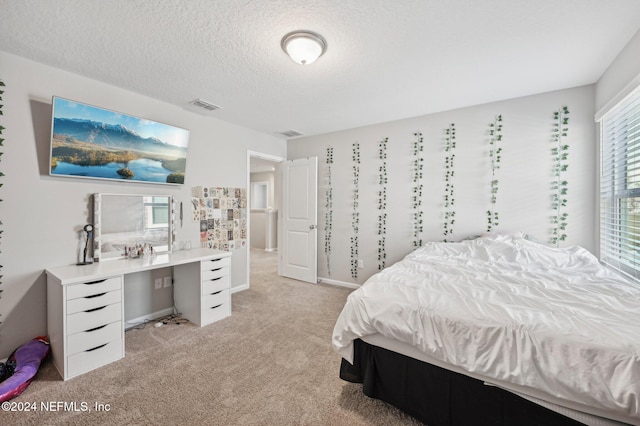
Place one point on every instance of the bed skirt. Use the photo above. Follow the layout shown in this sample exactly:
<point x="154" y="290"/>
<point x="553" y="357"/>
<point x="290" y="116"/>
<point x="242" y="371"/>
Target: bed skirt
<point x="437" y="396"/>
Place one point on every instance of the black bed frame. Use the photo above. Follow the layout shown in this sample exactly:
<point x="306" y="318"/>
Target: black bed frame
<point x="437" y="396"/>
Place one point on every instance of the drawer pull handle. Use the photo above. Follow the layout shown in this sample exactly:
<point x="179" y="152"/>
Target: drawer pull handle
<point x="217" y="269"/>
<point x="95" y="328"/>
<point x="96" y="309"/>
<point x="97" y="347"/>
<point x="215" y="279"/>
<point x="214" y="260"/>
<point x="96" y="282"/>
<point x="217" y="306"/>
<point x="95" y="295"/>
<point x="217" y="292"/>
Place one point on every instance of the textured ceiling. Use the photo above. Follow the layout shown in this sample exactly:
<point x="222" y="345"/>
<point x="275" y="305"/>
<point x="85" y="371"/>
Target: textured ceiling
<point x="386" y="60"/>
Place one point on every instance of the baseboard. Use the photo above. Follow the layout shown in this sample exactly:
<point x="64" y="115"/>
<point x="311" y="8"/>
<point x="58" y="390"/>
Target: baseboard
<point x="146" y="318"/>
<point x="238" y="288"/>
<point x="338" y="283"/>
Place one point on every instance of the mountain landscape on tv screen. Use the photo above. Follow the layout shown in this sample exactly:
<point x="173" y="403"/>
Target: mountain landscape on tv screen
<point x="94" y="149"/>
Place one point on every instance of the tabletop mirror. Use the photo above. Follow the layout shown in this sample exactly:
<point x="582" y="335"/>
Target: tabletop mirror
<point x="123" y="221"/>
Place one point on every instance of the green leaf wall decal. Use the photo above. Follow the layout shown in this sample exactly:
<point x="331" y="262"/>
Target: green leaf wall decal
<point x="495" y="157"/>
<point x="559" y="185"/>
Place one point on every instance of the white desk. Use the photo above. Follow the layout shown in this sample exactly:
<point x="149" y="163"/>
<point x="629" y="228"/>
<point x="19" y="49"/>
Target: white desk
<point x="85" y="304"/>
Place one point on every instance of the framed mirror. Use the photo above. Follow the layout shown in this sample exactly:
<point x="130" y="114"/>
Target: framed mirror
<point x="125" y="221"/>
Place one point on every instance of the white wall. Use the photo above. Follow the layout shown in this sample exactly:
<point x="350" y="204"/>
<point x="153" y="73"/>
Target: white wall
<point x="624" y="69"/>
<point x="524" y="198"/>
<point x="42" y="215"/>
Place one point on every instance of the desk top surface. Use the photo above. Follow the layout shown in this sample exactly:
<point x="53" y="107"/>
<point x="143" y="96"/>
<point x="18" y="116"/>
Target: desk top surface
<point x="71" y="274"/>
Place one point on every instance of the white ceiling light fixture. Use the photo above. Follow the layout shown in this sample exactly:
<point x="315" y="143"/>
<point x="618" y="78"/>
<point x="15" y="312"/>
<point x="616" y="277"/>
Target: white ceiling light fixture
<point x="303" y="46"/>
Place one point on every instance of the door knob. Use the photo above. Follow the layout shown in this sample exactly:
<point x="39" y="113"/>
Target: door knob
<point x="312" y="227"/>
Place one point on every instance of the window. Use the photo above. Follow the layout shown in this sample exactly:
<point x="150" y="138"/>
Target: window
<point x="620" y="185"/>
<point x="156" y="212"/>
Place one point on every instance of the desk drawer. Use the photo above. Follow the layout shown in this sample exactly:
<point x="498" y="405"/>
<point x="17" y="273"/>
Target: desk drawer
<point x="210" y="274"/>
<point x="211" y="300"/>
<point x="84" y="340"/>
<point x="93" y="287"/>
<point x="215" y="263"/>
<point x="96" y="317"/>
<point x="94" y="357"/>
<point x="216" y="284"/>
<point x="94" y="301"/>
<point x="215" y="307"/>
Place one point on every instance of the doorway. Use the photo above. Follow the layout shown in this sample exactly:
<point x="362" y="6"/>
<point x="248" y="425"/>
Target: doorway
<point x="263" y="198"/>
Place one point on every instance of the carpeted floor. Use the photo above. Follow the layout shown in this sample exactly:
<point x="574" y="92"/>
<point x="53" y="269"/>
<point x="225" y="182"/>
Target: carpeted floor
<point x="270" y="363"/>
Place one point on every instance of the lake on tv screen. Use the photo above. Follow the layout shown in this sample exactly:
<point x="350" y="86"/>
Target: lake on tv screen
<point x="143" y="169"/>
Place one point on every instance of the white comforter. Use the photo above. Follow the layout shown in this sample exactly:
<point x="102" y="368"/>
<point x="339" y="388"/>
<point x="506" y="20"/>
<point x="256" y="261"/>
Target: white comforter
<point x="511" y="310"/>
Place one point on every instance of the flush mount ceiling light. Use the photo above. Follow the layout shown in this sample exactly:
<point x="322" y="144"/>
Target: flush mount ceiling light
<point x="304" y="47"/>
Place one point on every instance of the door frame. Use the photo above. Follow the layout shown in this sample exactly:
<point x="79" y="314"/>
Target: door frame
<point x="275" y="159"/>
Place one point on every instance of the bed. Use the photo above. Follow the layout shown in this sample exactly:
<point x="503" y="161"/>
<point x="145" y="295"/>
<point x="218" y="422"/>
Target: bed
<point x="498" y="326"/>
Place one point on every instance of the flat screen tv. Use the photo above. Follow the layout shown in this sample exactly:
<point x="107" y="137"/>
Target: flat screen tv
<point x="92" y="142"/>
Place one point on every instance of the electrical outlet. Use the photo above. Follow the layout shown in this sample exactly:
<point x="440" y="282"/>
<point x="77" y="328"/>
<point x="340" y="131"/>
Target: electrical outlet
<point x="158" y="283"/>
<point x="167" y="281"/>
<point x="360" y="263"/>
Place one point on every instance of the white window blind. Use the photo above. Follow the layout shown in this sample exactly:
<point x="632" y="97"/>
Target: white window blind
<point x="620" y="185"/>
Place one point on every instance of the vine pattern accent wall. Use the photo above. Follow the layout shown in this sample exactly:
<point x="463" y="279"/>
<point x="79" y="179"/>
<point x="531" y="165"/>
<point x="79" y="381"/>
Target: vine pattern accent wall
<point x="559" y="185"/>
<point x="491" y="191"/>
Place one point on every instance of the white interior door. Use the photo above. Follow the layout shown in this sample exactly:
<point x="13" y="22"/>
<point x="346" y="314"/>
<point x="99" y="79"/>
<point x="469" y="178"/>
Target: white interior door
<point x="299" y="219"/>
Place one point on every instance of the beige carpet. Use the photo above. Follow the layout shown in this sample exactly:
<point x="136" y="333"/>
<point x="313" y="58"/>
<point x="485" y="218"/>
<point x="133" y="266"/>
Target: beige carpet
<point x="270" y="363"/>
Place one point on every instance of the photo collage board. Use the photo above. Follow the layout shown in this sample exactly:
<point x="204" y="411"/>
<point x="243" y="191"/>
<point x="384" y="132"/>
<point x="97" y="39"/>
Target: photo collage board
<point x="222" y="213"/>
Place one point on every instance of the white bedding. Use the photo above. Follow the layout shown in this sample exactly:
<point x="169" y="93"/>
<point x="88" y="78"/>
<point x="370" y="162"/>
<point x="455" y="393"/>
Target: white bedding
<point x="514" y="311"/>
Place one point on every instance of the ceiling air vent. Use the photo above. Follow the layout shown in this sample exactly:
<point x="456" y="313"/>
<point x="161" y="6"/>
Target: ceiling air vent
<point x="204" y="104"/>
<point x="291" y="133"/>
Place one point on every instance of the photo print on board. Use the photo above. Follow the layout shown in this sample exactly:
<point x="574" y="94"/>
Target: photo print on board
<point x="222" y="213"/>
